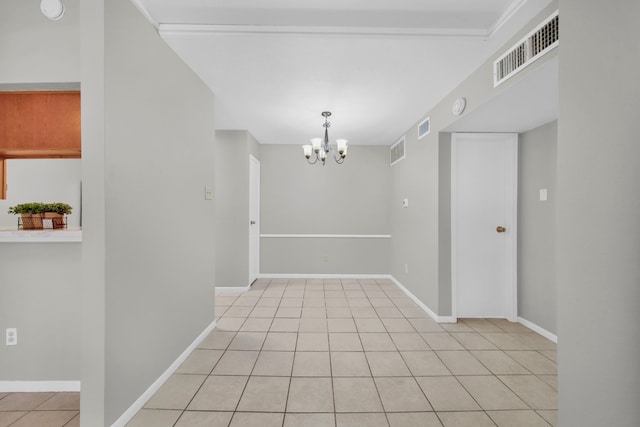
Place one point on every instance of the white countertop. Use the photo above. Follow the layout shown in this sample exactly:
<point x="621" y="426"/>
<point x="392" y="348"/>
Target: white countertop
<point x="72" y="234"/>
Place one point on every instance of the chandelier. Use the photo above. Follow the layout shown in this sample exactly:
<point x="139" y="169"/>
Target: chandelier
<point x="322" y="148"/>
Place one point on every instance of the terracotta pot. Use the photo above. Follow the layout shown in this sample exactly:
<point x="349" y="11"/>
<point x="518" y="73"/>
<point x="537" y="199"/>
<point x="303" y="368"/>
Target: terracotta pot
<point x="31" y="221"/>
<point x="56" y="220"/>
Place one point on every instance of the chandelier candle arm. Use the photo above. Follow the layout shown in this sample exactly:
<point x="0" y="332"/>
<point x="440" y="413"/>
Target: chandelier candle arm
<point x="321" y="148"/>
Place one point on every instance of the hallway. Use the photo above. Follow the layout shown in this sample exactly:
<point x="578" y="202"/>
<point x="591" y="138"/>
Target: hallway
<point x="296" y="352"/>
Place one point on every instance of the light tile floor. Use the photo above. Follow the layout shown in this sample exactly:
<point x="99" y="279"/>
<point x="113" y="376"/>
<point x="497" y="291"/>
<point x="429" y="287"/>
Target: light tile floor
<point x="39" y="409"/>
<point x="349" y="353"/>
<point x="343" y="353"/>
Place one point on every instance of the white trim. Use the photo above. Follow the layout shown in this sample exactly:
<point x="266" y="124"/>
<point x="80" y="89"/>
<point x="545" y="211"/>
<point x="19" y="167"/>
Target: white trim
<point x="535" y="328"/>
<point x="38" y="386"/>
<point x="143" y="10"/>
<point x="512" y="226"/>
<point x="208" y="30"/>
<point x="325" y="236"/>
<point x="423" y="306"/>
<point x="323" y="276"/>
<point x="231" y="289"/>
<point x="508" y="13"/>
<point x="153" y="388"/>
<point x="41" y="236"/>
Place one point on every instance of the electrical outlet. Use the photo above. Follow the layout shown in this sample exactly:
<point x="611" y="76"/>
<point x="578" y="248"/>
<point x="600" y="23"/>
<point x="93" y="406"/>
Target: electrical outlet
<point x="208" y="193"/>
<point x="325" y="258"/>
<point x="12" y="336"/>
<point x="406" y="268"/>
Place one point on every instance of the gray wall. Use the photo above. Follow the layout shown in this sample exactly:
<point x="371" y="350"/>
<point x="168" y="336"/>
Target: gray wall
<point x="537" y="166"/>
<point x="148" y="250"/>
<point x="231" y="196"/>
<point x="35" y="49"/>
<point x="45" y="300"/>
<point x="298" y="198"/>
<point x="40" y="296"/>
<point x="598" y="236"/>
<point x="421" y="234"/>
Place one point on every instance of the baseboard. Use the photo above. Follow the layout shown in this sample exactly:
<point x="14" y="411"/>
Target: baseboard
<point x="434" y="316"/>
<point x="231" y="289"/>
<point x="38" y="386"/>
<point x="323" y="276"/>
<point x="548" y="335"/>
<point x="144" y="398"/>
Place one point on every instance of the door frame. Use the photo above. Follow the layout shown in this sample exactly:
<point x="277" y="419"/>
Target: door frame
<point x="511" y="223"/>
<point x="253" y="160"/>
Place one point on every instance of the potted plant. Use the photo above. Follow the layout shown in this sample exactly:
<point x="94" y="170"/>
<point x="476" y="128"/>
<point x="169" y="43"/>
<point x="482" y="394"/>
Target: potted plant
<point x="33" y="213"/>
<point x="56" y="212"/>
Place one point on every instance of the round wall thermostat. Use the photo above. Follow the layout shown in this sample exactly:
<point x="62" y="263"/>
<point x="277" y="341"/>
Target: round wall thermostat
<point x="52" y="9"/>
<point x="458" y="106"/>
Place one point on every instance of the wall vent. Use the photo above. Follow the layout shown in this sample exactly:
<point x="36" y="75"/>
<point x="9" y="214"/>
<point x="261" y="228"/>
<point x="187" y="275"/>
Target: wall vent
<point x="534" y="45"/>
<point x="397" y="152"/>
<point x="424" y="127"/>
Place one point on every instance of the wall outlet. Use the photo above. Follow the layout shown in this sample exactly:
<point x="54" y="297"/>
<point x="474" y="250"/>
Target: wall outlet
<point x="11" y="336"/>
<point x="325" y="258"/>
<point x="208" y="193"/>
<point x="406" y="268"/>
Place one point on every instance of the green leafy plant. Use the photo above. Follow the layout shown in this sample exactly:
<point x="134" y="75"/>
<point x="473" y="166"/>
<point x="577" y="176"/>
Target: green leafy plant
<point x="59" y="208"/>
<point x="38" y="208"/>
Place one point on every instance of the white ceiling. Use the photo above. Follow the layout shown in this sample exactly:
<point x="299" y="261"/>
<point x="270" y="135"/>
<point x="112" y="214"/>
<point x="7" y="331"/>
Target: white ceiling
<point x="377" y="65"/>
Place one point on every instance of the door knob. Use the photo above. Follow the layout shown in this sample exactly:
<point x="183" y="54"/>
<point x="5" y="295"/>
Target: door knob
<point x="252" y="222"/>
<point x="500" y="229"/>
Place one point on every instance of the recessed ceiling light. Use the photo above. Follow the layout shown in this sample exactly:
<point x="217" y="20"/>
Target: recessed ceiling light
<point x="52" y="9"/>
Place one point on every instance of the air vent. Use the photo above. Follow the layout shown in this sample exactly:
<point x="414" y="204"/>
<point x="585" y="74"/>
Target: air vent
<point x="538" y="42"/>
<point x="424" y="127"/>
<point x="397" y="152"/>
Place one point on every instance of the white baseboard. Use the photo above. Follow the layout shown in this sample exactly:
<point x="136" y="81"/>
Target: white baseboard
<point x="38" y="386"/>
<point x="231" y="289"/>
<point x="323" y="276"/>
<point x="144" y="398"/>
<point x="439" y="319"/>
<point x="548" y="335"/>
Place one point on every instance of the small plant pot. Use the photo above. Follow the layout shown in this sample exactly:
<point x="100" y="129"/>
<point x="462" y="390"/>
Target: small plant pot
<point x="53" y="220"/>
<point x="32" y="221"/>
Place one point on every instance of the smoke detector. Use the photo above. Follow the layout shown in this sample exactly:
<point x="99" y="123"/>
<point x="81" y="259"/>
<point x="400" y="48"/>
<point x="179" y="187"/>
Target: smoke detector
<point x="52" y="9"/>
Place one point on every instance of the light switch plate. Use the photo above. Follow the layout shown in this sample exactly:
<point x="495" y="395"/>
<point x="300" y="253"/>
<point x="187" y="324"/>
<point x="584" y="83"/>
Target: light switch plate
<point x="543" y="194"/>
<point x="405" y="203"/>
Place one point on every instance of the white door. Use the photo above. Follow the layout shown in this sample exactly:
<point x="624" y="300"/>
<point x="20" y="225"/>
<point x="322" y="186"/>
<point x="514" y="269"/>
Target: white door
<point x="483" y="224"/>
<point x="254" y="218"/>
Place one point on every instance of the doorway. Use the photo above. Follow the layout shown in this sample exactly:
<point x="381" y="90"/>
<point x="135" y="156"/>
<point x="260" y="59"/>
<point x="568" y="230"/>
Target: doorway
<point x="254" y="218"/>
<point x="483" y="224"/>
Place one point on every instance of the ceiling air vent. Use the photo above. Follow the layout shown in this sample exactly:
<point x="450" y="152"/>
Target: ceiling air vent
<point x="424" y="127"/>
<point x="541" y="40"/>
<point x="397" y="152"/>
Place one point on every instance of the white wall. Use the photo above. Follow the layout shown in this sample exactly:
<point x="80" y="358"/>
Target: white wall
<point x="298" y="198"/>
<point x="35" y="49"/>
<point x="231" y="196"/>
<point x="421" y="234"/>
<point x="40" y="282"/>
<point x="537" y="165"/>
<point x="42" y="180"/>
<point x="40" y="296"/>
<point x="598" y="218"/>
<point x="148" y="232"/>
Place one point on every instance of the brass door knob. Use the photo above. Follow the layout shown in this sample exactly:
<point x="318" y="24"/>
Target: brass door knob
<point x="500" y="229"/>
